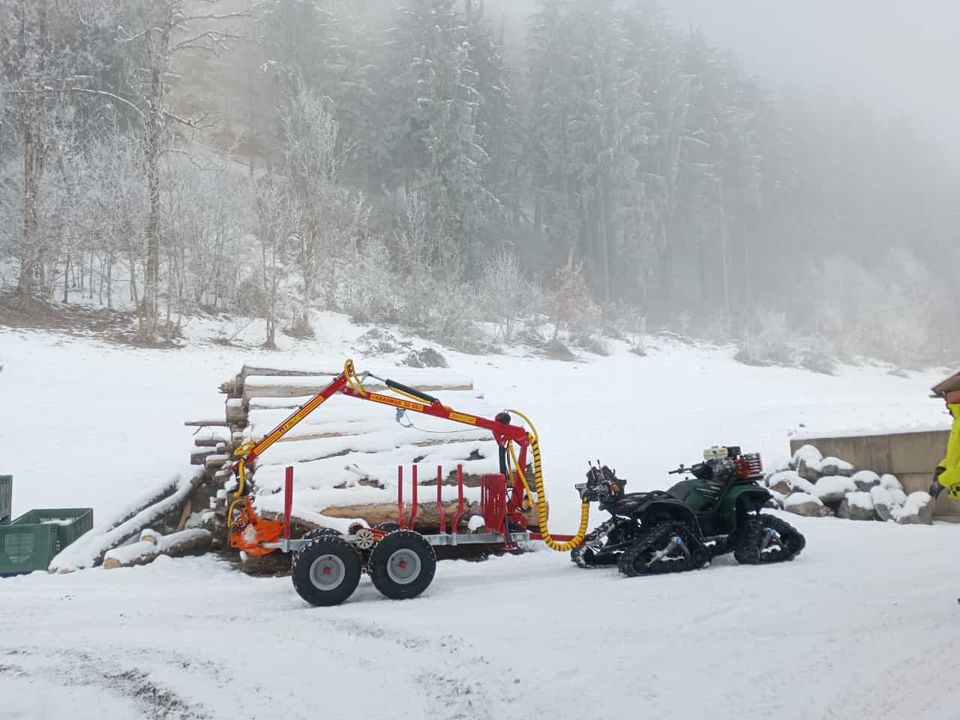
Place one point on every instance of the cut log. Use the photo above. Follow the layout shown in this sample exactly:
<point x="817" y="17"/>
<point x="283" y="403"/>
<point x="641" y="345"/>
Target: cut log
<point x="215" y="462"/>
<point x="206" y="423"/>
<point x="277" y="372"/>
<point x="138" y="553"/>
<point x="186" y="542"/>
<point x="235" y="412"/>
<point x="316" y="436"/>
<point x="427" y="516"/>
<point x="208" y="441"/>
<point x="152" y="544"/>
<point x="185" y="514"/>
<point x="200" y="458"/>
<point x="450" y="397"/>
<point x="91" y="548"/>
<point x="257" y="388"/>
<point x="151" y="536"/>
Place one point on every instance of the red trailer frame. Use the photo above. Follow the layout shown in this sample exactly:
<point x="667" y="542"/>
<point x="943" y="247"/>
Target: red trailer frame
<point x="259" y="536"/>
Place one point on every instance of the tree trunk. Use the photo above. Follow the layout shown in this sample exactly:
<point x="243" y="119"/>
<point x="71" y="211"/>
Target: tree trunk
<point x="34" y="151"/>
<point x="157" y="57"/>
<point x="151" y="277"/>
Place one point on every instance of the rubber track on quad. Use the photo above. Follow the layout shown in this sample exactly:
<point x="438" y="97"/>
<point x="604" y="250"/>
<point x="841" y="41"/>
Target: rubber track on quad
<point x="578" y="554"/>
<point x="653" y="540"/>
<point x="748" y="550"/>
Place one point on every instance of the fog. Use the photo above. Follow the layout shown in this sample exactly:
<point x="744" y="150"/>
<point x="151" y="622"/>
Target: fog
<point x="898" y="57"/>
<point x="781" y="176"/>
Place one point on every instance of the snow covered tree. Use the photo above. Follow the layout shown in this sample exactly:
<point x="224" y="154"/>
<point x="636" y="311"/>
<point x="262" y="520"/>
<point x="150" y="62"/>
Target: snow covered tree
<point x="433" y="105"/>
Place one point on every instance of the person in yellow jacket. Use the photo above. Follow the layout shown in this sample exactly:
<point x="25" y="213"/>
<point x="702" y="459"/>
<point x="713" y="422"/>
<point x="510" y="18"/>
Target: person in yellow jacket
<point x="947" y="474"/>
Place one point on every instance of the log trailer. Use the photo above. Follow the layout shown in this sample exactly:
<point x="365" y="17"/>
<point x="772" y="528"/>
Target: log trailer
<point x="327" y="565"/>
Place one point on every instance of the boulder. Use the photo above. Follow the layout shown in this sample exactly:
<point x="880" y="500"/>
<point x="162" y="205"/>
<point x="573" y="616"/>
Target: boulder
<point x="865" y="480"/>
<point x="833" y="489"/>
<point x="917" y="510"/>
<point x="809" y="470"/>
<point x="836" y="466"/>
<point x="890" y="482"/>
<point x="886" y="502"/>
<point x="806" y="505"/>
<point x="786" y="482"/>
<point x="807" y="453"/>
<point x="426" y="358"/>
<point x="857" y="506"/>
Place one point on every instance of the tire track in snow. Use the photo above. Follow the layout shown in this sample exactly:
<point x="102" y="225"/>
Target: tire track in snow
<point x="157" y="701"/>
<point x="460" y="695"/>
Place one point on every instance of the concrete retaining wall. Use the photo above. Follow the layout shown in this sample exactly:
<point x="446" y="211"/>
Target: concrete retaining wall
<point x="911" y="456"/>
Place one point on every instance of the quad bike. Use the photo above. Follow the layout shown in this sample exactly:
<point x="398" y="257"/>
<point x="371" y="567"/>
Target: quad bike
<point x="683" y="528"/>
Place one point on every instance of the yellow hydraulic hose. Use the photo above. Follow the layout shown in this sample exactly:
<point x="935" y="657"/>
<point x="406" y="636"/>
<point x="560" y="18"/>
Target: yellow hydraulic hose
<point x="542" y="507"/>
<point x="241" y="484"/>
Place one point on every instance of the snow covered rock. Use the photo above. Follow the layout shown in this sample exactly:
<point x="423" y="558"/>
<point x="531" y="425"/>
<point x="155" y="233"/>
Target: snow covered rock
<point x="809" y="470"/>
<point x="806" y="505"/>
<point x="836" y="466"/>
<point x="887" y="501"/>
<point x="857" y="506"/>
<point x="426" y="358"/>
<point x="917" y="510"/>
<point x="833" y="488"/>
<point x="808" y="454"/>
<point x="865" y="480"/>
<point x="786" y="482"/>
<point x="890" y="482"/>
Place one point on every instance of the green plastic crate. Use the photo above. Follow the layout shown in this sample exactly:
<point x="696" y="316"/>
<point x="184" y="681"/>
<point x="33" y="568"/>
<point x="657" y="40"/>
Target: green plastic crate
<point x="25" y="548"/>
<point x="32" y="540"/>
<point x="70" y="523"/>
<point x="6" y="497"/>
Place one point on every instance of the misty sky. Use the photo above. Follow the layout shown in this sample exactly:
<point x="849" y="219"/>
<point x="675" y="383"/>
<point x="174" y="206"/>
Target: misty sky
<point x="900" y="57"/>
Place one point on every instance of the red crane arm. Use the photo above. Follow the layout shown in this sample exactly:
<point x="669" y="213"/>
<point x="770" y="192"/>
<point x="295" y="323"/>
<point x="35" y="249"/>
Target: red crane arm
<point x="348" y="384"/>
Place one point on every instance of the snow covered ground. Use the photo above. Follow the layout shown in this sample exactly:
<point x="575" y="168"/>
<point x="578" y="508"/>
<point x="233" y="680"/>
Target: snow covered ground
<point x="863" y="624"/>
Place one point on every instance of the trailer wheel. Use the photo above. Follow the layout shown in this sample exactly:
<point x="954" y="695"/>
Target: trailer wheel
<point x="326" y="571"/>
<point x="402" y="564"/>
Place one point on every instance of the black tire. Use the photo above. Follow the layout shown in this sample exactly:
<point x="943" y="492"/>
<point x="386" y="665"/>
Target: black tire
<point x="654" y="554"/>
<point x="585" y="555"/>
<point x="387" y="526"/>
<point x="326" y="571"/>
<point x="402" y="564"/>
<point x="321" y="532"/>
<point x="767" y="539"/>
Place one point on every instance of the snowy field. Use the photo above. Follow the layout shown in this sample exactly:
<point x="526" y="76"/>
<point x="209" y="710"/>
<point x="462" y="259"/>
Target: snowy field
<point x="863" y="624"/>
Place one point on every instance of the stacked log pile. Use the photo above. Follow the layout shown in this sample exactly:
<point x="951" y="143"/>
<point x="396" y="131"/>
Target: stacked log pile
<point x="346" y="454"/>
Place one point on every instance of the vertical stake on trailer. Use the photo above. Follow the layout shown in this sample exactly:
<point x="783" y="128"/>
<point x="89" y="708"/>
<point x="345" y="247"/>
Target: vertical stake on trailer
<point x="401" y="520"/>
<point x="287" y="501"/>
<point x="455" y="523"/>
<point x="413" y="510"/>
<point x="440" y="515"/>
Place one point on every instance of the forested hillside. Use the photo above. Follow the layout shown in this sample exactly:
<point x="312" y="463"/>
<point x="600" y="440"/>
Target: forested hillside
<point x="424" y="163"/>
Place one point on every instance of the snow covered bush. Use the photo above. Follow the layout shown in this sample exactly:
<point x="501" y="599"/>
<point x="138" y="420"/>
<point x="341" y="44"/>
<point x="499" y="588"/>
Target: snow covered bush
<point x="767" y="340"/>
<point x="568" y="301"/>
<point x="506" y="293"/>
